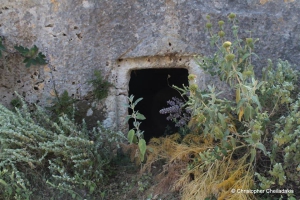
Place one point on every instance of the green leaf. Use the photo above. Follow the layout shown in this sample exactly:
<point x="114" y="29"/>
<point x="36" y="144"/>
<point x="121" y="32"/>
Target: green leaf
<point x="233" y="142"/>
<point x="261" y="147"/>
<point x="240" y="75"/>
<point x="249" y="113"/>
<point x="28" y="64"/>
<point x="3" y="182"/>
<point x="222" y="120"/>
<point x="140" y="116"/>
<point x="92" y="188"/>
<point x="142" y="147"/>
<point x="241" y="102"/>
<point x="249" y="141"/>
<point x="41" y="59"/>
<point x="245" y="88"/>
<point x="253" y="154"/>
<point x="130" y="136"/>
<point x="135" y="140"/>
<point x="30" y="56"/>
<point x="224" y="152"/>
<point x="128" y="117"/>
<point x="137" y="101"/>
<point x="260" y="84"/>
<point x="246" y="56"/>
<point x="255" y="100"/>
<point x="22" y="50"/>
<point x="126" y="105"/>
<point x="131" y="98"/>
<point x="26" y="60"/>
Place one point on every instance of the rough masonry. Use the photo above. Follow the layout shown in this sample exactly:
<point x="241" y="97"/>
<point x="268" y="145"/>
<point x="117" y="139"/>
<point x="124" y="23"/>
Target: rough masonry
<point x="115" y="37"/>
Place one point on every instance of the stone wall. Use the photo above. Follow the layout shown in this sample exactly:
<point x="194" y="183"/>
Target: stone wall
<point x="80" y="36"/>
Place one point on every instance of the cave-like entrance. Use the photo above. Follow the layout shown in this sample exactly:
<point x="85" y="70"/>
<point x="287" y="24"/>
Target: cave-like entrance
<point x="154" y="86"/>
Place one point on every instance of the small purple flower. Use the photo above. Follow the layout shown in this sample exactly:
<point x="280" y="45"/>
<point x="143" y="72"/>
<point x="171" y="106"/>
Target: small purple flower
<point x="177" y="112"/>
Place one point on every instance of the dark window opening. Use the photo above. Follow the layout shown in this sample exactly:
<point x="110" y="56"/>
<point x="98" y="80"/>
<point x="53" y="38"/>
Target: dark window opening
<point x="154" y="86"/>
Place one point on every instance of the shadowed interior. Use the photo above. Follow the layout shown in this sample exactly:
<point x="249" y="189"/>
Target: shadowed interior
<point x="154" y="86"/>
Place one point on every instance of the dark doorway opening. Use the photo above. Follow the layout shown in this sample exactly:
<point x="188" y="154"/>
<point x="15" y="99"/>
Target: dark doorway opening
<point x="155" y="87"/>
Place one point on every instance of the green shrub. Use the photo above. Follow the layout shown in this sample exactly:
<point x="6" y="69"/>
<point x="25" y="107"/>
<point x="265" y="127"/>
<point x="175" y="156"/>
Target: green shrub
<point x="63" y="105"/>
<point x="16" y="102"/>
<point x="100" y="86"/>
<point x="247" y="142"/>
<point x="39" y="157"/>
<point x="261" y="122"/>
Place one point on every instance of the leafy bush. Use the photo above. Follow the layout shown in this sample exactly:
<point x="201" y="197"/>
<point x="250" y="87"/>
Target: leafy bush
<point x="39" y="157"/>
<point x="247" y="143"/>
<point x="100" y="86"/>
<point x="16" y="102"/>
<point x="63" y="105"/>
<point x="31" y="56"/>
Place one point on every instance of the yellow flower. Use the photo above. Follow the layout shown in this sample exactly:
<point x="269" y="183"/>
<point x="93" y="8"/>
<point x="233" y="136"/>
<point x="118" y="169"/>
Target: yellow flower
<point x="226" y="44"/>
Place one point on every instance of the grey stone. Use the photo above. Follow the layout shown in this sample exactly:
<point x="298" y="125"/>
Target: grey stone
<point x="84" y="35"/>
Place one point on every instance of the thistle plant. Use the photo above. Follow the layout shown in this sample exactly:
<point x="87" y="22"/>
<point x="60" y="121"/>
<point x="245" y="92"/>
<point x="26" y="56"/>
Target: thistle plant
<point x="135" y="135"/>
<point x="250" y="129"/>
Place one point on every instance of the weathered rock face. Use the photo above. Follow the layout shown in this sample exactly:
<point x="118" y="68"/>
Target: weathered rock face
<point x="80" y="36"/>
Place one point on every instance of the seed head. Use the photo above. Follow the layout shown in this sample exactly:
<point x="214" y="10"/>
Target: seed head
<point x="249" y="40"/>
<point x="256" y="127"/>
<point x="231" y="16"/>
<point x="208" y="25"/>
<point x="230" y="57"/>
<point x="208" y="17"/>
<point x="221" y="34"/>
<point x="192" y="77"/>
<point x="226" y="44"/>
<point x="221" y="23"/>
<point x="255" y="136"/>
<point x="193" y="87"/>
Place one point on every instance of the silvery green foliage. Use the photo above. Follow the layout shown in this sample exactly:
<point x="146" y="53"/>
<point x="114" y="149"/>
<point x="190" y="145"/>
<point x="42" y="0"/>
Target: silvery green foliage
<point x="35" y="150"/>
<point x="263" y="120"/>
<point x="177" y="112"/>
<point x="135" y="135"/>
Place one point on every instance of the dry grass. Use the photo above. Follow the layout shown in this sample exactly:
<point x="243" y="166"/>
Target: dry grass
<point x="195" y="179"/>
